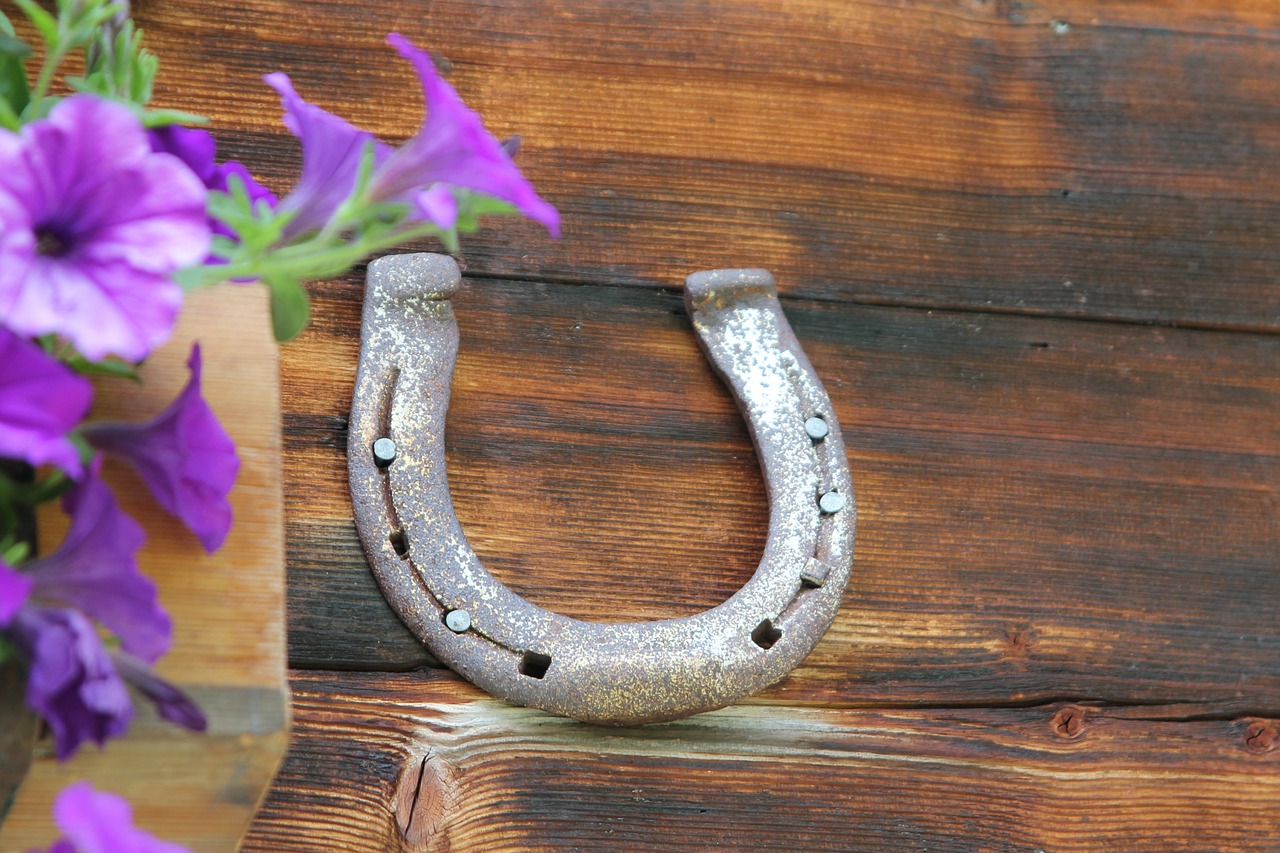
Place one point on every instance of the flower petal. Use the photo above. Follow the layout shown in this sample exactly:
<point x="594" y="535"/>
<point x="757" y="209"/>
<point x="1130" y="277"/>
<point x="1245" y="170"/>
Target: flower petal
<point x="41" y="401"/>
<point x="116" y="221"/>
<point x="194" y="147"/>
<point x="95" y="569"/>
<point x="454" y="148"/>
<point x="171" y="703"/>
<point x="101" y="822"/>
<point x="184" y="455"/>
<point x="331" y="151"/>
<point x="15" y="587"/>
<point x="438" y="206"/>
<point x="105" y="309"/>
<point x="72" y="683"/>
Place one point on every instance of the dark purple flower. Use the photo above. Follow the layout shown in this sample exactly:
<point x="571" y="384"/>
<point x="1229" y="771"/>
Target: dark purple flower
<point x="197" y="149"/>
<point x="92" y="226"/>
<point x="72" y="682"/>
<point x="331" y="151"/>
<point x="41" y="401"/>
<point x="185" y="456"/>
<point x="454" y="149"/>
<point x="100" y="822"/>
<point x="15" y="587"/>
<point x="171" y="703"/>
<point x="95" y="569"/>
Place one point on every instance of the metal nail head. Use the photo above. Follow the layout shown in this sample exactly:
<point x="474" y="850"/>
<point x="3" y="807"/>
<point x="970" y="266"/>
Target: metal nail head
<point x="384" y="452"/>
<point x="817" y="428"/>
<point x="832" y="502"/>
<point x="457" y="621"/>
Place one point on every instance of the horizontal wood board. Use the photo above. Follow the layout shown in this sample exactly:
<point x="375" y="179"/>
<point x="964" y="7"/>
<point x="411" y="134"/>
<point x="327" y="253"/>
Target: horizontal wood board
<point x="423" y="762"/>
<point x="1080" y="159"/>
<point x="1046" y="508"/>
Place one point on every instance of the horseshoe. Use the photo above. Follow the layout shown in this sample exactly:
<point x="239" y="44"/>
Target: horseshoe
<point x="619" y="673"/>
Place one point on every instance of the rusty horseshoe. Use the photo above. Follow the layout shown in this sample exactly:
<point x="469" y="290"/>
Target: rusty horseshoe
<point x="619" y="673"/>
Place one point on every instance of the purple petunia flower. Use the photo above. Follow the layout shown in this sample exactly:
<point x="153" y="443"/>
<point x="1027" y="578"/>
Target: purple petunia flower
<point x="95" y="569"/>
<point x="331" y="150"/>
<point x="171" y="703"/>
<point x="15" y="588"/>
<point x="100" y="822"/>
<point x="185" y="456"/>
<point x="41" y="400"/>
<point x="452" y="149"/>
<point x="438" y="206"/>
<point x="72" y="682"/>
<point x="92" y="226"/>
<point x="197" y="149"/>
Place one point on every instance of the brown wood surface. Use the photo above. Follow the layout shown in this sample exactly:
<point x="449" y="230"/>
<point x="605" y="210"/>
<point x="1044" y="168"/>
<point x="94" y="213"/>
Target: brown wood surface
<point x="423" y="758"/>
<point x="971" y="207"/>
<point x="1072" y="159"/>
<point x="1039" y="514"/>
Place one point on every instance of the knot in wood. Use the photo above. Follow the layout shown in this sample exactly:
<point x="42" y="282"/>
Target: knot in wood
<point x="1068" y="722"/>
<point x="1261" y="735"/>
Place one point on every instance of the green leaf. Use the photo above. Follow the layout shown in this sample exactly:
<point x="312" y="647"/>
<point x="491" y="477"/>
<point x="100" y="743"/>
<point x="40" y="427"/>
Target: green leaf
<point x="13" y="46"/>
<point x="14" y="93"/>
<point x="290" y="308"/>
<point x="190" y="279"/>
<point x="15" y="552"/>
<point x="106" y="367"/>
<point x="8" y="118"/>
<point x="45" y="23"/>
<point x="162" y="118"/>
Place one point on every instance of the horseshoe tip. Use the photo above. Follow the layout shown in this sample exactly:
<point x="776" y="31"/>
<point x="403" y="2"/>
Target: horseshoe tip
<point x="700" y="287"/>
<point x="426" y="274"/>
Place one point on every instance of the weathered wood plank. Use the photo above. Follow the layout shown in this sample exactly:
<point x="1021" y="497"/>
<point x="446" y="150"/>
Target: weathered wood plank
<point x="1046" y="508"/>
<point x="1085" y="160"/>
<point x="375" y="753"/>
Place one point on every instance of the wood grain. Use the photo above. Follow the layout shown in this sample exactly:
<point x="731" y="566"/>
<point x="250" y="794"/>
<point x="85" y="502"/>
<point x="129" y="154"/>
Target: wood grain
<point x="1064" y="622"/>
<point x="228" y="650"/>
<point x="422" y="762"/>
<point x="1082" y="160"/>
<point x="1046" y="508"/>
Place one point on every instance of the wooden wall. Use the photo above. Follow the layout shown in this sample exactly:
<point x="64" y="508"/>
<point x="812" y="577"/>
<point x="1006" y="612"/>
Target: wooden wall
<point x="1032" y="250"/>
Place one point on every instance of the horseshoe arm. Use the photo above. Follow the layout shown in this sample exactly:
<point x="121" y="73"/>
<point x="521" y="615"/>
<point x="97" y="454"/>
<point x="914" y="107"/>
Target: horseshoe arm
<point x="614" y="673"/>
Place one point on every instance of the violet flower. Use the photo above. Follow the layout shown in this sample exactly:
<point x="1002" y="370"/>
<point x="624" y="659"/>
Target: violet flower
<point x="331" y="151"/>
<point x="41" y="401"/>
<point x="454" y="149"/>
<point x="451" y="150"/>
<point x="95" y="569"/>
<point x="72" y="683"/>
<point x="197" y="149"/>
<point x="185" y="456"/>
<point x="100" y="822"/>
<point x="15" y="588"/>
<point x="438" y="206"/>
<point x="92" y="226"/>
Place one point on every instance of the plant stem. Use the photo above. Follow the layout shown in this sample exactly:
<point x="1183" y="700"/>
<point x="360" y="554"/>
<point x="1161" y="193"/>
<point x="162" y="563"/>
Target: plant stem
<point x="302" y="261"/>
